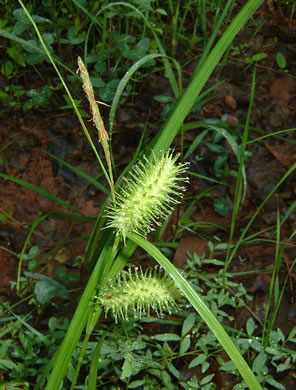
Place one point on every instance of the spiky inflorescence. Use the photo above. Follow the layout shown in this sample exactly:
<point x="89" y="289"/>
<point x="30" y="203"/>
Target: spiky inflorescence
<point x="136" y="293"/>
<point x="148" y="195"/>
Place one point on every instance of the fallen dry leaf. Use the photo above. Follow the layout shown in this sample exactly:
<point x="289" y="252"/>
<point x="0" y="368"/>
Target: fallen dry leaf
<point x="282" y="90"/>
<point x="231" y="102"/>
<point x="191" y="244"/>
<point x="285" y="153"/>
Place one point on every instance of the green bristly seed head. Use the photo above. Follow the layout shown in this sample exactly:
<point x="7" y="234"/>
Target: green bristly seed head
<point x="136" y="293"/>
<point x="147" y="195"/>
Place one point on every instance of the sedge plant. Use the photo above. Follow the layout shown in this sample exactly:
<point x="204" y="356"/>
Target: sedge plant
<point x="147" y="195"/>
<point x="152" y="188"/>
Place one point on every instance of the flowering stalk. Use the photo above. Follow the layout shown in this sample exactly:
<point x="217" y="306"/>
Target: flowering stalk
<point x="148" y="195"/>
<point x="97" y="119"/>
<point x="136" y="293"/>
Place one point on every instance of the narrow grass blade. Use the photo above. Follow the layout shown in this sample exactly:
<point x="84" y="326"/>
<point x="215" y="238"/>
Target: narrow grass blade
<point x="202" y="309"/>
<point x="241" y="178"/>
<point x="127" y="77"/>
<point x="214" y="34"/>
<point x="33" y="227"/>
<point x="195" y="144"/>
<point x="27" y="325"/>
<point x="81" y="173"/>
<point x="34" y="48"/>
<point x="41" y="191"/>
<point x="94" y="365"/>
<point x="169" y="131"/>
<point x="246" y="229"/>
<point x="274" y="134"/>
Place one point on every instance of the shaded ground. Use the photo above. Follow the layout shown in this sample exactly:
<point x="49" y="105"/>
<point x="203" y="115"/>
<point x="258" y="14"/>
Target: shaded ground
<point x="27" y="140"/>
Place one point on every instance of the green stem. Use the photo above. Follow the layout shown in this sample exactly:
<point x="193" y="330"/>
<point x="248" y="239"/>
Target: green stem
<point x="239" y="198"/>
<point x="80" y="360"/>
<point x="92" y="321"/>
<point x="94" y="315"/>
<point x="175" y="16"/>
